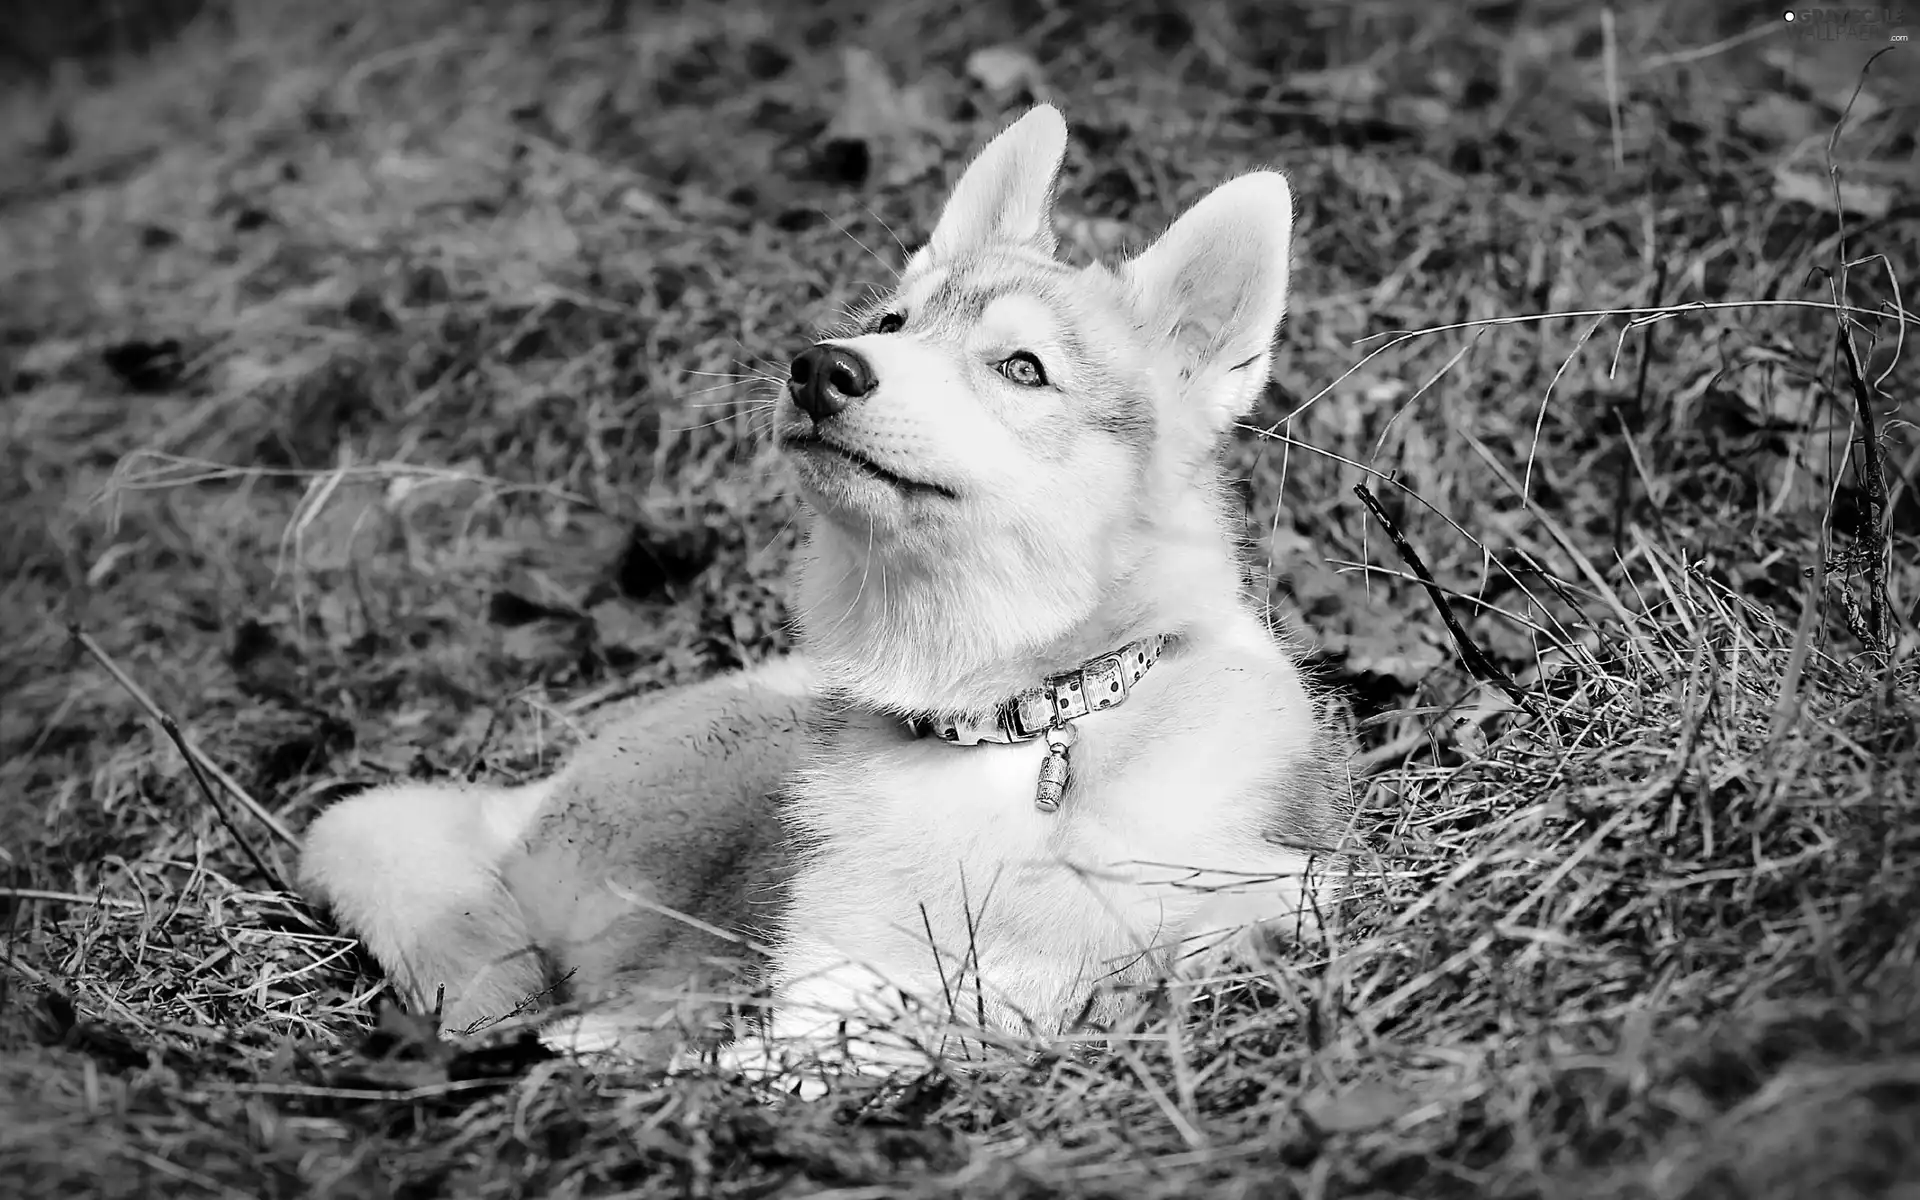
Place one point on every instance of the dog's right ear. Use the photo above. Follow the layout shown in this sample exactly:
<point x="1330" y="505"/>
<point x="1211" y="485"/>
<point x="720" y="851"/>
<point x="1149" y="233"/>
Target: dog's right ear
<point x="1006" y="194"/>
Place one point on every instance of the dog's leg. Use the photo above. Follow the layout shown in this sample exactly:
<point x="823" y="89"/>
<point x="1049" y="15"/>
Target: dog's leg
<point x="1261" y="918"/>
<point x="834" y="1020"/>
<point x="413" y="870"/>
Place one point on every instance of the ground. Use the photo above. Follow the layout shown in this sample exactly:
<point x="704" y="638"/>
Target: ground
<point x="377" y="392"/>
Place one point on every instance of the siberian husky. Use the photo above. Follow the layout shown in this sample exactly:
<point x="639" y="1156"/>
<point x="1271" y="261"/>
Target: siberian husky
<point x="1038" y="749"/>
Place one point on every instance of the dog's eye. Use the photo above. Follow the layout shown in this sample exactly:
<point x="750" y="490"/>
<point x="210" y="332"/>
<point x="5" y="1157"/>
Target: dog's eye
<point x="1023" y="369"/>
<point x="889" y="323"/>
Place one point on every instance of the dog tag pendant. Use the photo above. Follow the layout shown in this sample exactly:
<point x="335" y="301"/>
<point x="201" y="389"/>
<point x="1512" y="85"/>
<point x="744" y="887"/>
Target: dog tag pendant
<point x="1053" y="769"/>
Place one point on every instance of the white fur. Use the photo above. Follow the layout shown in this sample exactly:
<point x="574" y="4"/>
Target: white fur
<point x="413" y="869"/>
<point x="1215" y="286"/>
<point x="948" y="603"/>
<point x="1043" y="525"/>
<point x="1031" y="912"/>
<point x="1006" y="194"/>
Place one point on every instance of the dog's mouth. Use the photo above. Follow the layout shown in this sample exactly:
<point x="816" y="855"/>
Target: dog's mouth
<point x="814" y="443"/>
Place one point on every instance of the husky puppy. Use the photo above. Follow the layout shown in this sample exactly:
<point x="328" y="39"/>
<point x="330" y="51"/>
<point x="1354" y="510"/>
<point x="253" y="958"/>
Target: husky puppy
<point x="1038" y="746"/>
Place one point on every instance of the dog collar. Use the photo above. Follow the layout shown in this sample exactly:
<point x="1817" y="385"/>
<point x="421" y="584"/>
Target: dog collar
<point x="1045" y="711"/>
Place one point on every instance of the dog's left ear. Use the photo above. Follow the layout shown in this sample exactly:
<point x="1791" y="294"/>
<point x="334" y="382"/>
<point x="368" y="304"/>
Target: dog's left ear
<point x="1005" y="194"/>
<point x="1214" y="288"/>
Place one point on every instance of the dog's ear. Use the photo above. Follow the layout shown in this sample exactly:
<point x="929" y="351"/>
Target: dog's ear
<point x="1214" y="288"/>
<point x="1006" y="194"/>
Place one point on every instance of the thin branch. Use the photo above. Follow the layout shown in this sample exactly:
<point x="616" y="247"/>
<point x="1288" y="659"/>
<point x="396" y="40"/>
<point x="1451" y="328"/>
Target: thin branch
<point x="193" y="753"/>
<point x="1475" y="659"/>
<point x="268" y="873"/>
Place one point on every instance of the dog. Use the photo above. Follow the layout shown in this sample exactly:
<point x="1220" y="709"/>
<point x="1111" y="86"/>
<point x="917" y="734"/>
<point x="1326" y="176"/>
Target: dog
<point x="1037" y="751"/>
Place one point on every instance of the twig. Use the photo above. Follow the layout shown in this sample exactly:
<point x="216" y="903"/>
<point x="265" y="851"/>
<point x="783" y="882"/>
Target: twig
<point x="1611" y="54"/>
<point x="220" y="810"/>
<point x="1622" y="484"/>
<point x="1870" y="552"/>
<point x="1693" y="54"/>
<point x="1475" y="659"/>
<point x="53" y="897"/>
<point x="1871" y="555"/>
<point x="478" y="759"/>
<point x="192" y="752"/>
<point x="1786" y="709"/>
<point x="1636" y="318"/>
<point x="172" y="1170"/>
<point x="306" y="1091"/>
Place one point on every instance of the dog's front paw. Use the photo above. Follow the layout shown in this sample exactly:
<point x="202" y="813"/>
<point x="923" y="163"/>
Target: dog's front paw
<point x="791" y="1070"/>
<point x="591" y="1038"/>
<point x="811" y="1068"/>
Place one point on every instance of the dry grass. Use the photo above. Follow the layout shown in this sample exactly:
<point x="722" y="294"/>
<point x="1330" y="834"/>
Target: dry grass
<point x="375" y="404"/>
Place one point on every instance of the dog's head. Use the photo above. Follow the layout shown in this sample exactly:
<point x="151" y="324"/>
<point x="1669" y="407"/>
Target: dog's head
<point x="1002" y="441"/>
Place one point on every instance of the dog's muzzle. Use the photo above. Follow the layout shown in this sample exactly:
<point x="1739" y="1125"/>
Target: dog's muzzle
<point x="826" y="378"/>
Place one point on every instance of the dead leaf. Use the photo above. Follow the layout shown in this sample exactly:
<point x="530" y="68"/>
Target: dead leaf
<point x="1006" y="73"/>
<point x="1870" y="200"/>
<point x="1358" y="83"/>
<point x="545" y="642"/>
<point x="1343" y="617"/>
<point x="1373" y="650"/>
<point x="1384" y="393"/>
<point x="1782" y="120"/>
<point x="1426" y="112"/>
<point x="1097" y="237"/>
<point x="623" y="623"/>
<point x="642" y="203"/>
<point x="51" y="356"/>
<point x="1830" y="69"/>
<point x="1506" y="641"/>
<point x="1470" y="739"/>
<point x="1363" y="1106"/>
<point x="1472" y="719"/>
<point x="1370" y="177"/>
<point x="894" y="133"/>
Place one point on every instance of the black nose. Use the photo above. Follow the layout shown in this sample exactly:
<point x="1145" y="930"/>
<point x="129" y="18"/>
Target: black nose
<point x="826" y="378"/>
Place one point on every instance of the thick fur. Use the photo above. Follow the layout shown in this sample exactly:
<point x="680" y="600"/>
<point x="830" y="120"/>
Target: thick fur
<point x="584" y="879"/>
<point x="972" y="533"/>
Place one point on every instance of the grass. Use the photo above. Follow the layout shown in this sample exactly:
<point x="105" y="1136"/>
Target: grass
<point x="378" y="399"/>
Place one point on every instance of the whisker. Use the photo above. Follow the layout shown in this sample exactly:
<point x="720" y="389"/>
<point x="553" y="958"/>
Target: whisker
<point x="904" y="253"/>
<point x="780" y="532"/>
<point x="708" y="391"/>
<point x="841" y="226"/>
<point x="743" y="402"/>
<point x="705" y="425"/>
<point x="739" y="376"/>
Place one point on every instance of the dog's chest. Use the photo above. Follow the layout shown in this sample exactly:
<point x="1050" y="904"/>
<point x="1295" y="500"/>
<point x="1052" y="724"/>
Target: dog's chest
<point x="914" y="846"/>
<point x="941" y="825"/>
<point x="925" y="798"/>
